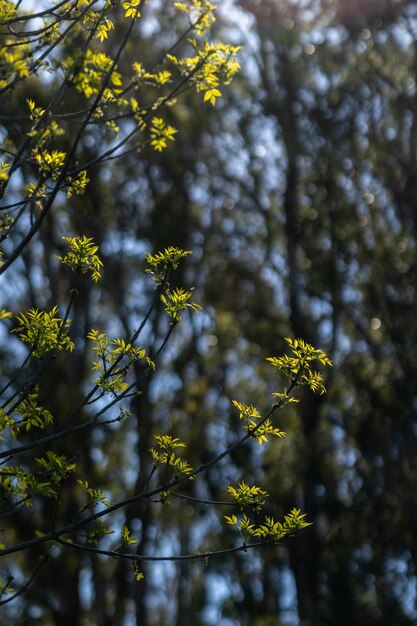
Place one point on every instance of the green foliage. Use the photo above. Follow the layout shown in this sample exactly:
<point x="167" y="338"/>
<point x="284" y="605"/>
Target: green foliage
<point x="137" y="573"/>
<point x="15" y="59"/>
<point x="176" y="301"/>
<point x="7" y="11"/>
<point x="161" y="133"/>
<point x="127" y="538"/>
<point x="270" y="530"/>
<point x="7" y="424"/>
<point x="295" y="520"/>
<point x="44" y="331"/>
<point x="200" y="12"/>
<point x="33" y="415"/>
<point x="94" y="496"/>
<point x="132" y="8"/>
<point x="254" y="425"/>
<point x="56" y="466"/>
<point x="213" y="65"/>
<point x="82" y="256"/>
<point x="46" y="482"/>
<point x="161" y="263"/>
<point x="248" y="496"/>
<point x="6" y="221"/>
<point x="98" y="533"/>
<point x="166" y="456"/>
<point x="297" y="369"/>
<point x="95" y="65"/>
<point x="115" y="356"/>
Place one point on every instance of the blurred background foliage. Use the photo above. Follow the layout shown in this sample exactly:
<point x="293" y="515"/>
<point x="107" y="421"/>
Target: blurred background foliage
<point x="298" y="197"/>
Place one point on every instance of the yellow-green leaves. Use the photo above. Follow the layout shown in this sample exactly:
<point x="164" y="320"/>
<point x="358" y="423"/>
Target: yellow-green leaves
<point x="50" y="162"/>
<point x="32" y="414"/>
<point x="270" y="530"/>
<point x="76" y="184"/>
<point x="94" y="496"/>
<point x="200" y="12"/>
<point x="5" y="587"/>
<point x="15" y="59"/>
<point x="160" y="263"/>
<point x="247" y="412"/>
<point x="132" y="8"/>
<point x="137" y="573"/>
<point x="82" y="256"/>
<point x="127" y="539"/>
<point x="161" y="133"/>
<point x="35" y="112"/>
<point x="115" y="356"/>
<point x="44" y="331"/>
<point x="283" y="398"/>
<point x="299" y="372"/>
<point x="166" y="455"/>
<point x="298" y="368"/>
<point x="7" y="426"/>
<point x="244" y="525"/>
<point x="248" y="496"/>
<point x="15" y="481"/>
<point x="99" y="532"/>
<point x="4" y="170"/>
<point x="95" y="65"/>
<point x="103" y="29"/>
<point x="267" y="429"/>
<point x="7" y="11"/>
<point x="213" y="65"/>
<point x="211" y="94"/>
<point x="55" y="466"/>
<point x="6" y="223"/>
<point x="252" y="421"/>
<point x="44" y="130"/>
<point x="276" y="531"/>
<point x="151" y="78"/>
<point x="176" y="301"/>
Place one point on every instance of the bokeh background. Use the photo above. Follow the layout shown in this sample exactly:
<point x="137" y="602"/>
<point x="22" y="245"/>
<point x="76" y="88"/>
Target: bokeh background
<point x="297" y="194"/>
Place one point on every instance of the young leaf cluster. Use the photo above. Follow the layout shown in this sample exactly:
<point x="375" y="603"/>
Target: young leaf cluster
<point x="100" y="531"/>
<point x="298" y="368"/>
<point x="270" y="530"/>
<point x="161" y="133"/>
<point x="212" y="66"/>
<point x="248" y="496"/>
<point x="161" y="263"/>
<point x="259" y="428"/>
<point x="165" y="455"/>
<point x="32" y="414"/>
<point x="115" y="356"/>
<point x="93" y="496"/>
<point x="17" y="483"/>
<point x="82" y="256"/>
<point x="43" y="331"/>
<point x="127" y="539"/>
<point x="200" y="13"/>
<point x="176" y="301"/>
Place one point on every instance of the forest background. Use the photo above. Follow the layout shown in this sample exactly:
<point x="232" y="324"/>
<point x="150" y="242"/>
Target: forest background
<point x="296" y="193"/>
